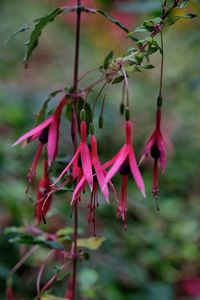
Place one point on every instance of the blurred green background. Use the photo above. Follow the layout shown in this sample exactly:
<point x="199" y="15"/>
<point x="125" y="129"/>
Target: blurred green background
<point x="158" y="257"/>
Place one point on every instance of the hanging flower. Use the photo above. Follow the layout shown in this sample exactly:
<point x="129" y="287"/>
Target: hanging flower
<point x="98" y="181"/>
<point x="81" y="159"/>
<point x="47" y="133"/>
<point x="156" y="148"/>
<point x="9" y="294"/>
<point x="43" y="198"/>
<point x="69" y="295"/>
<point x="124" y="162"/>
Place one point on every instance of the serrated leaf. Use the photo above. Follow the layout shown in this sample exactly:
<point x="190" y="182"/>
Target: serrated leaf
<point x="92" y="243"/>
<point x="116" y="22"/>
<point x="40" y="24"/>
<point x="108" y="60"/>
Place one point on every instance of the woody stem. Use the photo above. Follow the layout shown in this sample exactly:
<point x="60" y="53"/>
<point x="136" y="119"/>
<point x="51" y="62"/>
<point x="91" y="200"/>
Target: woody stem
<point x="75" y="88"/>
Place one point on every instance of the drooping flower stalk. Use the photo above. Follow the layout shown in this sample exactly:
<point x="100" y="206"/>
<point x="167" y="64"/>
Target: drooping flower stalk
<point x="156" y="145"/>
<point x="156" y="148"/>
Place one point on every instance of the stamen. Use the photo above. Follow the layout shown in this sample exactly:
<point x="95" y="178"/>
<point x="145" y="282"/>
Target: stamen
<point x="43" y="138"/>
<point x="155" y="153"/>
<point x="125" y="168"/>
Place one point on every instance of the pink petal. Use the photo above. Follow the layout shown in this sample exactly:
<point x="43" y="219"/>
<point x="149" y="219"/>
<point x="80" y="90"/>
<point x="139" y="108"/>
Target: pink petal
<point x="67" y="167"/>
<point x="163" y="154"/>
<point x="122" y="155"/>
<point x="101" y="178"/>
<point x="86" y="163"/>
<point x="34" y="131"/>
<point x="148" y="146"/>
<point x="111" y="161"/>
<point x="75" y="169"/>
<point x="136" y="172"/>
<point x="52" y="144"/>
<point x="80" y="186"/>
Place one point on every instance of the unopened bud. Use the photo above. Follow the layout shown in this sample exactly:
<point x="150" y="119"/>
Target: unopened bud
<point x="122" y="108"/>
<point x="101" y="121"/>
<point x="83" y="115"/>
<point x="127" y="114"/>
<point x="91" y="128"/>
<point x="159" y="101"/>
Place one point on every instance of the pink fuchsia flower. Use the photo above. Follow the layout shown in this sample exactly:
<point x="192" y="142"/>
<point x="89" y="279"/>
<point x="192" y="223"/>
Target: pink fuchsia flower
<point x="98" y="182"/>
<point x="98" y="173"/>
<point x="43" y="198"/>
<point x="9" y="294"/>
<point x="70" y="293"/>
<point x="124" y="162"/>
<point x="190" y="287"/>
<point x="81" y="159"/>
<point x="156" y="148"/>
<point x="47" y="133"/>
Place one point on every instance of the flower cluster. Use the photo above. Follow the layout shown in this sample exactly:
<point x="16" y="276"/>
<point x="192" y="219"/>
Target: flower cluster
<point x="86" y="168"/>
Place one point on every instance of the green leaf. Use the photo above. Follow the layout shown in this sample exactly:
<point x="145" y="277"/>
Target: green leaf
<point x="130" y="70"/>
<point x="40" y="24"/>
<point x="147" y="66"/>
<point x="14" y="230"/>
<point x="189" y="16"/>
<point x="173" y="19"/>
<point x="65" y="234"/>
<point x="41" y="114"/>
<point x="114" y="21"/>
<point x="108" y="60"/>
<point x="118" y="79"/>
<point x="51" y="297"/>
<point x="148" y="25"/>
<point x="20" y="236"/>
<point x="92" y="243"/>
